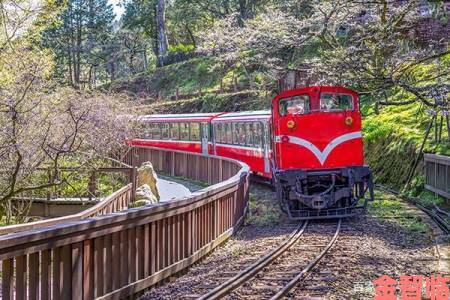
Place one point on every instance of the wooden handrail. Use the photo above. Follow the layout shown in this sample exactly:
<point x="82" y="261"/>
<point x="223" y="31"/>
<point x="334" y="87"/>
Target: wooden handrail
<point x="119" y="254"/>
<point x="437" y="174"/>
<point x="99" y="208"/>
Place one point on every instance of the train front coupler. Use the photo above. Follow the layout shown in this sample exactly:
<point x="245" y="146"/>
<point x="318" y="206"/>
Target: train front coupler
<point x="329" y="193"/>
<point x="320" y="200"/>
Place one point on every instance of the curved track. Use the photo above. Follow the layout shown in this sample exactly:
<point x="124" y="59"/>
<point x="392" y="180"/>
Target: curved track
<point x="279" y="271"/>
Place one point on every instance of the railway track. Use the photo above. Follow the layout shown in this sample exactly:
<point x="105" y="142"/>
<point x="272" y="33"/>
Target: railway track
<point x="440" y="217"/>
<point x="282" y="269"/>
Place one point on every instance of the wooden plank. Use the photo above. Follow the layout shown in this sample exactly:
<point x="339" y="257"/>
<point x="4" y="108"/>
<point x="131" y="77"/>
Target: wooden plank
<point x="33" y="284"/>
<point x="116" y="269"/>
<point x="165" y="242"/>
<point x="210" y="222"/>
<point x="56" y="289"/>
<point x="140" y="263"/>
<point x="98" y="266"/>
<point x="189" y="231"/>
<point x="88" y="274"/>
<point x="123" y="257"/>
<point x="437" y="191"/>
<point x="108" y="268"/>
<point x="178" y="237"/>
<point x="21" y="277"/>
<point x="182" y="240"/>
<point x="153" y="248"/>
<point x="173" y="239"/>
<point x="440" y="159"/>
<point x="160" y="246"/>
<point x="66" y="259"/>
<point x="77" y="271"/>
<point x="147" y="250"/>
<point x="132" y="255"/>
<point x="7" y="279"/>
<point x="194" y="230"/>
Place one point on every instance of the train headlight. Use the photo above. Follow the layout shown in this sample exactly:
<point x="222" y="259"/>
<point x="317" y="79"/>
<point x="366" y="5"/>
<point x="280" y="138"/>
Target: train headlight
<point x="290" y="124"/>
<point x="348" y="121"/>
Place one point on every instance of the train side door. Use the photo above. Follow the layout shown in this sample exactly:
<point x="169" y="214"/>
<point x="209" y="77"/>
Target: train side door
<point x="205" y="138"/>
<point x="266" y="147"/>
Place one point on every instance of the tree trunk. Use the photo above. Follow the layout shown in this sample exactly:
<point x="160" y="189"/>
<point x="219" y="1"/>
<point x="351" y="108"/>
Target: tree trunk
<point x="163" y="44"/>
<point x="78" y="50"/>
<point x="72" y="48"/>
<point x="191" y="35"/>
<point x="69" y="62"/>
<point x="243" y="11"/>
<point x="145" y="60"/>
<point x="448" y="126"/>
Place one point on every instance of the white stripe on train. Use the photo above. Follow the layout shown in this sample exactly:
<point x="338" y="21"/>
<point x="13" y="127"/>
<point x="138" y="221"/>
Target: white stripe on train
<point x="322" y="155"/>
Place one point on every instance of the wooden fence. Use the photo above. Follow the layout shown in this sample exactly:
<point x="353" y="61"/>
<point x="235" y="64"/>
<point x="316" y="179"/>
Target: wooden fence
<point x="437" y="174"/>
<point x="121" y="254"/>
<point x="113" y="203"/>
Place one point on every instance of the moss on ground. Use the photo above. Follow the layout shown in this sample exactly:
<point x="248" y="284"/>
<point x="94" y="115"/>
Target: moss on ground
<point x="391" y="209"/>
<point x="263" y="210"/>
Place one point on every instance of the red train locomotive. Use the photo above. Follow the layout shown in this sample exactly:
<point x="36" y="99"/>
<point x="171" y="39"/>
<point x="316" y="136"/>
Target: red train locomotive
<point x="309" y="146"/>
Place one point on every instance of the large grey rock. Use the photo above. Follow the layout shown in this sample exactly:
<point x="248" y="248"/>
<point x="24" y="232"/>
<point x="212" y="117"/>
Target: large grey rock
<point x="147" y="176"/>
<point x="144" y="195"/>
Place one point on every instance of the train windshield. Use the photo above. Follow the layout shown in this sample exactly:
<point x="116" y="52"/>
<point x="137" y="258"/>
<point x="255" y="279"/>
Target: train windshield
<point x="298" y="104"/>
<point x="329" y="101"/>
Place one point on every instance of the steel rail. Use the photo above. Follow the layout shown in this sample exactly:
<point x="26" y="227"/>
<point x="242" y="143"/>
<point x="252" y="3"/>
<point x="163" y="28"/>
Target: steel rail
<point x="242" y="277"/>
<point x="291" y="284"/>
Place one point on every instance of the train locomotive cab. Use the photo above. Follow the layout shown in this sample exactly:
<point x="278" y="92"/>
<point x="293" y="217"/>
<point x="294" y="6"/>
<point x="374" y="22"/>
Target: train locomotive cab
<point x="318" y="164"/>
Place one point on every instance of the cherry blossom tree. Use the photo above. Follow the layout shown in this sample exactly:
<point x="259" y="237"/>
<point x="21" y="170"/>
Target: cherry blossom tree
<point x="373" y="46"/>
<point x="43" y="125"/>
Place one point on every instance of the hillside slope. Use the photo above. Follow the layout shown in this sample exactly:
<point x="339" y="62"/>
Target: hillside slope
<point x="392" y="136"/>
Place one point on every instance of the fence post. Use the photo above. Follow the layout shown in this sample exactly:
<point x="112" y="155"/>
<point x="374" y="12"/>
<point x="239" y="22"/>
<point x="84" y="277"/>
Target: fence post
<point x="92" y="185"/>
<point x="49" y="193"/>
<point x="133" y="183"/>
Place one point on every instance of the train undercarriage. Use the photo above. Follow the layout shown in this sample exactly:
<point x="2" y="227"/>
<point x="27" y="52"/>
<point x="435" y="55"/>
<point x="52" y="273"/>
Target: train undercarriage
<point x="324" y="194"/>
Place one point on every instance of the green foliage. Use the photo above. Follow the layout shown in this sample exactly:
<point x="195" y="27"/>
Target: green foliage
<point x="393" y="133"/>
<point x="80" y="40"/>
<point x="183" y="48"/>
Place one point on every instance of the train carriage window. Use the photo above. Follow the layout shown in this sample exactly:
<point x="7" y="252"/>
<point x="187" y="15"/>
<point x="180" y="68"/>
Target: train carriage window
<point x="218" y="135"/>
<point x="156" y="131"/>
<point x="174" y="131"/>
<point x="228" y="133"/>
<point x="299" y="104"/>
<point x="184" y="131"/>
<point x="204" y="129"/>
<point x="235" y="132"/>
<point x="147" y="131"/>
<point x="330" y="101"/>
<point x="249" y="134"/>
<point x="195" y="132"/>
<point x="241" y="134"/>
<point x="223" y="136"/>
<point x="164" y="131"/>
<point x="258" y="134"/>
